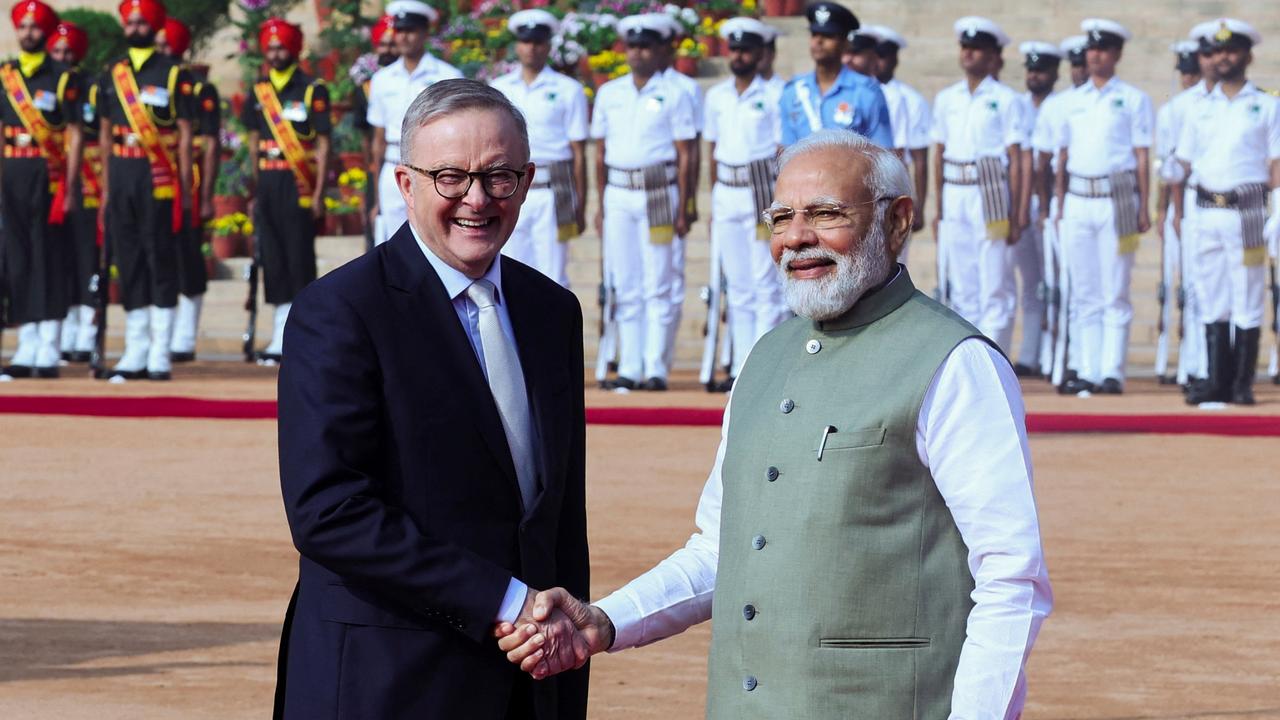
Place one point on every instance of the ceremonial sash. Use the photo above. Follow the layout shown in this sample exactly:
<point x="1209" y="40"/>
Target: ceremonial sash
<point x="49" y="143"/>
<point x="91" y="166"/>
<point x="164" y="173"/>
<point x="287" y="140"/>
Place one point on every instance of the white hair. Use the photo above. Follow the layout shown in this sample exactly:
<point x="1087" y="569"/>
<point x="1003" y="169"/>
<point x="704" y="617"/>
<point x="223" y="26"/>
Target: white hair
<point x="888" y="176"/>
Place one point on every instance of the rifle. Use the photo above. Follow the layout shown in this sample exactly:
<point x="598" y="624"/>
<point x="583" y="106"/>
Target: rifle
<point x="712" y="296"/>
<point x="1165" y="315"/>
<point x="100" y="286"/>
<point x="1051" y="297"/>
<point x="943" y="292"/>
<point x="1062" y="340"/>
<point x="1273" y="366"/>
<point x="606" y="299"/>
<point x="251" y="303"/>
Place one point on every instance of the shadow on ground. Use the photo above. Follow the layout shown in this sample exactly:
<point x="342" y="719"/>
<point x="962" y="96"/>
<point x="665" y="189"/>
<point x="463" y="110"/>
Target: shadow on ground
<point x="45" y="649"/>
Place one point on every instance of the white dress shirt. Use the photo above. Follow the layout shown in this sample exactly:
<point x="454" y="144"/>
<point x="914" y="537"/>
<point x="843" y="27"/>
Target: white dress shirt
<point x="692" y="89"/>
<point x="393" y="88"/>
<point x="1231" y="141"/>
<point x="744" y="127"/>
<point x="908" y="115"/>
<point x="971" y="434"/>
<point x="1101" y="127"/>
<point x="984" y="123"/>
<point x="554" y="108"/>
<point x="456" y="284"/>
<point x="640" y="126"/>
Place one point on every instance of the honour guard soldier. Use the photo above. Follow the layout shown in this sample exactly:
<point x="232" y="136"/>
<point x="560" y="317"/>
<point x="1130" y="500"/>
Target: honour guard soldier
<point x="744" y="126"/>
<point x="909" y="116"/>
<point x="68" y="45"/>
<point x="174" y="40"/>
<point x="643" y="124"/>
<point x="555" y="107"/>
<point x="979" y="132"/>
<point x="1177" y="256"/>
<point x="833" y="96"/>
<point x="392" y="89"/>
<point x="860" y="56"/>
<point x="1040" y="60"/>
<point x="382" y="35"/>
<point x="1232" y="142"/>
<point x="41" y="169"/>
<point x="1102" y="188"/>
<point x="288" y="120"/>
<point x="147" y="117"/>
<point x="766" y="61"/>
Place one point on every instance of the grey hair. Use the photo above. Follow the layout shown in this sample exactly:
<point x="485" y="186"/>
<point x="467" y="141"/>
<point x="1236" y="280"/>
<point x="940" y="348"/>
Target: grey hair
<point x="456" y="95"/>
<point x="888" y="177"/>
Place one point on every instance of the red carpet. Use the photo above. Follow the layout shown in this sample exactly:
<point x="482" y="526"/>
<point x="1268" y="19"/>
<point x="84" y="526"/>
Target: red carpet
<point x="185" y="407"/>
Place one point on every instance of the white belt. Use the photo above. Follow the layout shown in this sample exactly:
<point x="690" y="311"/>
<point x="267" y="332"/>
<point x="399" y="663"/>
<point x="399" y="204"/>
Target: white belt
<point x="960" y="173"/>
<point x="634" y="179"/>
<point x="733" y="175"/>
<point x="1089" y="187"/>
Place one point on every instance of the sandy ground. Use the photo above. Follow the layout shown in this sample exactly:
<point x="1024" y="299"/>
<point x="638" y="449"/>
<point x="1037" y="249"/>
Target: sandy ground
<point x="146" y="563"/>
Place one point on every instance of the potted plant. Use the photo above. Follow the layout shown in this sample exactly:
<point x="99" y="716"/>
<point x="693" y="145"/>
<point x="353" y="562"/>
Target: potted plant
<point x="687" y="56"/>
<point x="210" y="262"/>
<point x="231" y="190"/>
<point x="348" y="143"/>
<point x="226" y="239"/>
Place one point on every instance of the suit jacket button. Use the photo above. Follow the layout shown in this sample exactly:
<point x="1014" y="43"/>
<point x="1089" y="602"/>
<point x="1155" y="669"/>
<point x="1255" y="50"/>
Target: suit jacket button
<point x="812" y="347"/>
<point x="749" y="683"/>
<point x="757" y="542"/>
<point x="749" y="612"/>
<point x="787" y="405"/>
<point x="771" y="474"/>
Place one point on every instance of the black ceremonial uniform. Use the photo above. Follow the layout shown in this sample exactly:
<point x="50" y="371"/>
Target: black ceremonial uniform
<point x="35" y="249"/>
<point x="285" y="226"/>
<point x="140" y="208"/>
<point x="206" y="123"/>
<point x="83" y="222"/>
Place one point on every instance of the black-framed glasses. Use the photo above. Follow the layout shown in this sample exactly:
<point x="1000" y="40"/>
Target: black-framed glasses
<point x="819" y="216"/>
<point x="453" y="183"/>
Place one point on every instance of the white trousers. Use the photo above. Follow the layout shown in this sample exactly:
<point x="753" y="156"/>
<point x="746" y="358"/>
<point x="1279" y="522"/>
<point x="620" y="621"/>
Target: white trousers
<point x="536" y="238"/>
<point x="641" y="273"/>
<point x="390" y="203"/>
<point x="1100" y="278"/>
<point x="1228" y="289"/>
<point x="1193" y="358"/>
<point x="1028" y="261"/>
<point x="754" y="288"/>
<point x="977" y="268"/>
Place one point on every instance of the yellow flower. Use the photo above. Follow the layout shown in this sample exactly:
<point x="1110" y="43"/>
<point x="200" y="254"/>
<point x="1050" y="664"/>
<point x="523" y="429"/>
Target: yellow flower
<point x="353" y="201"/>
<point x="748" y="5"/>
<point x="247" y="228"/>
<point x="358" y="175"/>
<point x="330" y="204"/>
<point x="686" y="44"/>
<point x="590" y="92"/>
<point x="344" y="179"/>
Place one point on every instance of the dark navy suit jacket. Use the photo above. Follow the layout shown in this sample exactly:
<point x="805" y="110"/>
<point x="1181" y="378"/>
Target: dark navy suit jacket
<point x="402" y="497"/>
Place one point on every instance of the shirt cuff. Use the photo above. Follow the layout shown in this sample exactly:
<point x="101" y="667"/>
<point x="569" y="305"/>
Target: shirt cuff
<point x="626" y="619"/>
<point x="512" y="602"/>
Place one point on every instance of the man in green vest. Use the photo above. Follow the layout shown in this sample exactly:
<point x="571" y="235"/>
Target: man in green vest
<point x="868" y="531"/>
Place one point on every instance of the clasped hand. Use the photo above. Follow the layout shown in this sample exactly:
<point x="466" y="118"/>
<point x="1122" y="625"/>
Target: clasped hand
<point x="555" y="632"/>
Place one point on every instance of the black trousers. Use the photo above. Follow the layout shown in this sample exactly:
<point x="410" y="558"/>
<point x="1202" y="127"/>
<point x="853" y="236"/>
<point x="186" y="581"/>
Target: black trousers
<point x="82" y="255"/>
<point x="287" y="237"/>
<point x="192" y="277"/>
<point x="34" y="251"/>
<point x="144" y="245"/>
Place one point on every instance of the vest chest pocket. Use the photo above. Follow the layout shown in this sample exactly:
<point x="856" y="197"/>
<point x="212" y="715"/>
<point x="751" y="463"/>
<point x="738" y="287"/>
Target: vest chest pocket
<point x="854" y="439"/>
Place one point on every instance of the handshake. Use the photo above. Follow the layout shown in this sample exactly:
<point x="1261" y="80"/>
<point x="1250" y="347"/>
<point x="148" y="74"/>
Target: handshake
<point x="555" y="632"/>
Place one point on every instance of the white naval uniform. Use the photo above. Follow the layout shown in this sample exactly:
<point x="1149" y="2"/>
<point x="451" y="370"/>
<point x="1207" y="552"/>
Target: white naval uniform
<point x="1028" y="258"/>
<point x="1179" y="250"/>
<point x="640" y="127"/>
<point x="1101" y="129"/>
<point x="984" y="123"/>
<point x="555" y="109"/>
<point x="1230" y="142"/>
<point x="694" y="91"/>
<point x="391" y="91"/>
<point x="982" y="467"/>
<point x="911" y="122"/>
<point x="744" y="128"/>
<point x="1044" y="139"/>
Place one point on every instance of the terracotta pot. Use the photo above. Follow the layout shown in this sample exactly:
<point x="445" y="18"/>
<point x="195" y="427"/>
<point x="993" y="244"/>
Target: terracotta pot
<point x="353" y="224"/>
<point x="715" y="45"/>
<point x="775" y="8"/>
<point x="210" y="267"/>
<point x="224" y="205"/>
<point x="246" y="245"/>
<point x="795" y="7"/>
<point x="226" y="246"/>
<point x="598" y="79"/>
<point x="350" y="160"/>
<point x="687" y="65"/>
<point x="332" y="224"/>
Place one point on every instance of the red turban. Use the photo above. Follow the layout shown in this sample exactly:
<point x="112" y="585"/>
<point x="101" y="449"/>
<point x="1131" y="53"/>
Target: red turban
<point x="381" y="28"/>
<point x="44" y="16"/>
<point x="177" y="36"/>
<point x="289" y="35"/>
<point x="73" y="36"/>
<point x="151" y="10"/>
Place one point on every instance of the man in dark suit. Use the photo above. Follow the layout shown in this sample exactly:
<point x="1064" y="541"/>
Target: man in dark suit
<point x="432" y="446"/>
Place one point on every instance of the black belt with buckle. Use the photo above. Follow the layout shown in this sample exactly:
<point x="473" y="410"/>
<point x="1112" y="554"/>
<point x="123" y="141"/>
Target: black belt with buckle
<point x="1229" y="200"/>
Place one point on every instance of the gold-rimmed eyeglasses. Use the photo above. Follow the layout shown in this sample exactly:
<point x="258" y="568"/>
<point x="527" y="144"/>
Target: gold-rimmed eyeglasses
<point x="818" y="215"/>
<point x="453" y="183"/>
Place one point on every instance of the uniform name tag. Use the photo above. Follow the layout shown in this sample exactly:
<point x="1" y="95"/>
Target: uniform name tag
<point x="45" y="100"/>
<point x="295" y="111"/>
<point x="153" y="95"/>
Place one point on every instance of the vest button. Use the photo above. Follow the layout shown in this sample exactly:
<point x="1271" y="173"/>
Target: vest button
<point x="787" y="405"/>
<point x="749" y="612"/>
<point x="757" y="542"/>
<point x="771" y="474"/>
<point x="749" y="683"/>
<point x="812" y="347"/>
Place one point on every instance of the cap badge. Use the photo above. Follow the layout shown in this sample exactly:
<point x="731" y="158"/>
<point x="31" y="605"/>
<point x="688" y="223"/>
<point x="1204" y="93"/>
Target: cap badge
<point x="1095" y="35"/>
<point x="737" y="36"/>
<point x="1223" y="34"/>
<point x="970" y="32"/>
<point x="1033" y="57"/>
<point x="821" y="15"/>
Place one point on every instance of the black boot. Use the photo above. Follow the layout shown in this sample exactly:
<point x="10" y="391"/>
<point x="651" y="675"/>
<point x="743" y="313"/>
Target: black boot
<point x="1246" y="363"/>
<point x="1217" y="386"/>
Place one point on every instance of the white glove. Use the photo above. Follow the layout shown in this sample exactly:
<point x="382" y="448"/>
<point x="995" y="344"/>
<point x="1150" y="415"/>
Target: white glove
<point x="1271" y="231"/>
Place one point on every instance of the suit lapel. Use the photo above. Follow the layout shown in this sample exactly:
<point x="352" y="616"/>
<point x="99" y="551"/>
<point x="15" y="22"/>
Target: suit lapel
<point x="430" y="309"/>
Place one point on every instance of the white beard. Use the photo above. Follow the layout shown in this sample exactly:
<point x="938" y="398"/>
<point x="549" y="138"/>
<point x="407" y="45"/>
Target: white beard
<point x="855" y="273"/>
